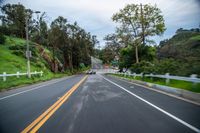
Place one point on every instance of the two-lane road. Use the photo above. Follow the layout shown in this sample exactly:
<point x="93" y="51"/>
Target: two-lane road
<point x="100" y="104"/>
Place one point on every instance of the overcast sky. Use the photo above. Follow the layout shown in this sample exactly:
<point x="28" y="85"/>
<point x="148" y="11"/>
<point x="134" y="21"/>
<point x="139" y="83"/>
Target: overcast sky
<point x="95" y="15"/>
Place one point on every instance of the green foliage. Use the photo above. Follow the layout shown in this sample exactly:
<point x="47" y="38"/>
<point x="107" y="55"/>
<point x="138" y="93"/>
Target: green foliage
<point x="143" y="67"/>
<point x="82" y="65"/>
<point x="184" y="49"/>
<point x="70" y="44"/>
<point x="144" y="20"/>
<point x="14" y="17"/>
<point x="2" y="38"/>
<point x="12" y="60"/>
<point x="147" y="53"/>
<point x="39" y="32"/>
<point x="137" y="23"/>
<point x="126" y="57"/>
<point x="168" y="66"/>
<point x="12" y="57"/>
<point x="195" y="38"/>
<point x="112" y="49"/>
<point x="17" y="47"/>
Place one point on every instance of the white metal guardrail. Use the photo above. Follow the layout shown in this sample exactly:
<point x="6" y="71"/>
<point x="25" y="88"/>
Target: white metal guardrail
<point x="193" y="78"/>
<point x="18" y="74"/>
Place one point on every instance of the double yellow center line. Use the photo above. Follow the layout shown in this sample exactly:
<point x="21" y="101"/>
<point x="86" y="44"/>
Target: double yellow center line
<point x="37" y="123"/>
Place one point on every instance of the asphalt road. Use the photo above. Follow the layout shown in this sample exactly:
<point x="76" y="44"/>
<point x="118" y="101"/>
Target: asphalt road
<point x="101" y="104"/>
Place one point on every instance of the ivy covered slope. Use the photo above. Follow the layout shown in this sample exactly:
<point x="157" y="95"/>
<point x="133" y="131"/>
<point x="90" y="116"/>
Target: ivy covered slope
<point x="13" y="60"/>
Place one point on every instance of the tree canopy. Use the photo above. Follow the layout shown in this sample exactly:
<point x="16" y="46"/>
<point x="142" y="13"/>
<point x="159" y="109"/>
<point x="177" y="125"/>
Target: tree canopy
<point x="71" y="45"/>
<point x="138" y="22"/>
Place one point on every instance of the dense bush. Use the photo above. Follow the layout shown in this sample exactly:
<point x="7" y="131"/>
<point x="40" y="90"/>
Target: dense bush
<point x="17" y="47"/>
<point x="18" y="53"/>
<point x="2" y="38"/>
<point x="143" y="67"/>
<point x="5" y="30"/>
<point x="167" y="65"/>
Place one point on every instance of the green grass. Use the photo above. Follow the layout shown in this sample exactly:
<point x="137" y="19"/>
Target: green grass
<point x="173" y="83"/>
<point x="195" y="38"/>
<point x="23" y="80"/>
<point x="12" y="63"/>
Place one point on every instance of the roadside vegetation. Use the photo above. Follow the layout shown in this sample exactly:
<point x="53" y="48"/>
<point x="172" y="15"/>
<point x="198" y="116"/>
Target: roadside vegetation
<point x="12" y="59"/>
<point x="58" y="50"/>
<point x="194" y="87"/>
<point x="131" y="47"/>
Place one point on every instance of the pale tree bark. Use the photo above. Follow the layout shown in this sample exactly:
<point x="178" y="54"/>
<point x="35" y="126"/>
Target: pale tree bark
<point x="136" y="54"/>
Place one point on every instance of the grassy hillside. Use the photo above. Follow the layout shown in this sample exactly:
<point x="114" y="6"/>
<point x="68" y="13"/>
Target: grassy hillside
<point x="184" y="45"/>
<point x="12" y="60"/>
<point x="184" y="51"/>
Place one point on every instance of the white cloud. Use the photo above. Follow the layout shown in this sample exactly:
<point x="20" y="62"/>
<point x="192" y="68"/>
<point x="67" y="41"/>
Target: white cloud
<point x="95" y="15"/>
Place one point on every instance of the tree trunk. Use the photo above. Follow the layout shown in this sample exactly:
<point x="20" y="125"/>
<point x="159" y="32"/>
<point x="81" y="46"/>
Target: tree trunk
<point x="71" y="61"/>
<point x="54" y="60"/>
<point x="66" y="60"/>
<point x="136" y="54"/>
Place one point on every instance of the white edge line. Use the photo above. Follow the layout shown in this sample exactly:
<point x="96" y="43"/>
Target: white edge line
<point x="160" y="91"/>
<point x="163" y="111"/>
<point x="35" y="88"/>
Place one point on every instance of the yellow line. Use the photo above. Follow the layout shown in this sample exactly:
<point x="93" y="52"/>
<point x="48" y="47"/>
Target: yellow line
<point x="49" y="112"/>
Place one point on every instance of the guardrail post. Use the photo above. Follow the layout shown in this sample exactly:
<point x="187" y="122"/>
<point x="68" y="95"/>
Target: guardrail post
<point x="134" y="75"/>
<point x="193" y="76"/>
<point x="151" y="76"/>
<point x="41" y="73"/>
<point x="142" y="76"/>
<point x="17" y="74"/>
<point x="4" y="76"/>
<point x="167" y="78"/>
<point x="35" y="73"/>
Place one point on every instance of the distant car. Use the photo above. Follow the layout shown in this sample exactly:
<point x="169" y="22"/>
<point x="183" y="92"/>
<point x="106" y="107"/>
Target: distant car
<point x="93" y="72"/>
<point x="90" y="72"/>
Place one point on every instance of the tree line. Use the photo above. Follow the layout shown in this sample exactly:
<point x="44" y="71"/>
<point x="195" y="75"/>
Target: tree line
<point x="131" y="42"/>
<point x="69" y="43"/>
<point x="130" y="46"/>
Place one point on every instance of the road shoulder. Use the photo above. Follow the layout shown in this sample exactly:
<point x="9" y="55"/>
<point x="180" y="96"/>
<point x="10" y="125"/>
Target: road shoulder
<point x="182" y="95"/>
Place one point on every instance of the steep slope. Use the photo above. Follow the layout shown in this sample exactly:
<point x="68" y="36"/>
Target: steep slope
<point x="12" y="60"/>
<point x="184" y="49"/>
<point x="183" y="45"/>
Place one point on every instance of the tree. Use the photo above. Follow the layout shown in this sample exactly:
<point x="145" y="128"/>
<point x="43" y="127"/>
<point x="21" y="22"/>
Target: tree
<point x="108" y="54"/>
<point x="58" y="38"/>
<point x="39" y="31"/>
<point x="14" y="17"/>
<point x="74" y="42"/>
<point x="113" y="42"/>
<point x="140" y="22"/>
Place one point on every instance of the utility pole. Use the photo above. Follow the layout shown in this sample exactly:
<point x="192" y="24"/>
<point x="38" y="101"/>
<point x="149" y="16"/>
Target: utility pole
<point x="28" y="52"/>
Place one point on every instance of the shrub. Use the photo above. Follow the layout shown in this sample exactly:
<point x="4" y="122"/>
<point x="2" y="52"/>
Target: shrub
<point x="143" y="67"/>
<point x="18" y="53"/>
<point x="17" y="47"/>
<point x="168" y="65"/>
<point x="2" y="38"/>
